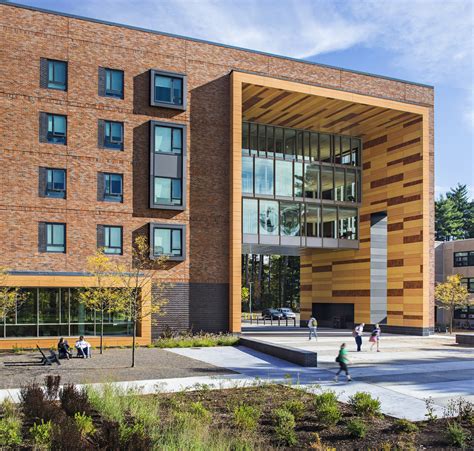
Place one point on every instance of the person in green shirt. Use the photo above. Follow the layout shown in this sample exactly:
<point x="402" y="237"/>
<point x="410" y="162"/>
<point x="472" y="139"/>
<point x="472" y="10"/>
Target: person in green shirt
<point x="343" y="361"/>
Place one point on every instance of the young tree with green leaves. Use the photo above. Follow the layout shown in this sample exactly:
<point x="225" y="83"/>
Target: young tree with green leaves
<point x="103" y="297"/>
<point x="9" y="296"/>
<point x="450" y="295"/>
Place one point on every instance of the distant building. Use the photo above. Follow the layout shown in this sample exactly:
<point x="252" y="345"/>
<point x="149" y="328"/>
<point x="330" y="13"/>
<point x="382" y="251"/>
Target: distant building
<point x="456" y="257"/>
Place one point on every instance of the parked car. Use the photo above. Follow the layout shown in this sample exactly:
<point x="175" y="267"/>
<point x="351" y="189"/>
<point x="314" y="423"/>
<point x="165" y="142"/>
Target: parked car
<point x="272" y="313"/>
<point x="287" y="312"/>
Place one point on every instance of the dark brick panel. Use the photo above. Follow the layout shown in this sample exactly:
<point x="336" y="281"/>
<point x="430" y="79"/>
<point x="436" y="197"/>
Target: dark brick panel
<point x="209" y="307"/>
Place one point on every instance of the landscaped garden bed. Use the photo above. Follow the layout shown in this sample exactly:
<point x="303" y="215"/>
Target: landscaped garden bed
<point x="264" y="417"/>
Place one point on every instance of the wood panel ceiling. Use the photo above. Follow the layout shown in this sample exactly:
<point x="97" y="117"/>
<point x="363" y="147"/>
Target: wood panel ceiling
<point x="291" y="109"/>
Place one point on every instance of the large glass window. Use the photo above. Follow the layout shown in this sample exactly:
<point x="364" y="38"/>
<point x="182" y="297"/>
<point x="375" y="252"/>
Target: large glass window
<point x="56" y="183"/>
<point x="250" y="216"/>
<point x="262" y="144"/>
<point x="167" y="191"/>
<point x="253" y="136"/>
<point x="245" y="138"/>
<point x="57" y="74"/>
<point x="284" y="178"/>
<point x="26" y="309"/>
<point x="247" y="175"/>
<point x="168" y="242"/>
<point x="351" y="186"/>
<point x="464" y="258"/>
<point x="112" y="239"/>
<point x="268" y="217"/>
<point x="314" y="142"/>
<point x="348" y="223"/>
<point x="298" y="180"/>
<point x="290" y="219"/>
<point x="168" y="139"/>
<point x="339" y="184"/>
<point x="48" y="303"/>
<point x="113" y="191"/>
<point x="311" y="181"/>
<point x="355" y="152"/>
<point x="168" y="89"/>
<point x="56" y="129"/>
<point x="468" y="282"/>
<point x="113" y="135"/>
<point x="325" y="148"/>
<point x="290" y="143"/>
<point x="346" y="154"/>
<point x="270" y="142"/>
<point x="329" y="222"/>
<point x="327" y="183"/>
<point x="114" y="83"/>
<point x="55" y="237"/>
<point x="278" y="142"/>
<point x="313" y="221"/>
<point x="264" y="176"/>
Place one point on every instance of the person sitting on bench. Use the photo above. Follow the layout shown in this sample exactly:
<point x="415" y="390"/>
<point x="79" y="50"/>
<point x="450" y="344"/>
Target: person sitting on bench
<point x="83" y="348"/>
<point x="64" y="349"/>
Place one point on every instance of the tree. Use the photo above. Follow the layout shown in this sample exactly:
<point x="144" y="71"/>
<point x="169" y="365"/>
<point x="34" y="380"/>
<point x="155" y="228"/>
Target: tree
<point x="245" y="295"/>
<point x="448" y="220"/>
<point x="460" y="197"/>
<point x="136" y="278"/>
<point x="451" y="295"/>
<point x="9" y="296"/>
<point x="104" y="296"/>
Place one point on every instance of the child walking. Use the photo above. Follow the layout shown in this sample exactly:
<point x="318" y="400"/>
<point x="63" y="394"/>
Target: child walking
<point x="375" y="337"/>
<point x="343" y="362"/>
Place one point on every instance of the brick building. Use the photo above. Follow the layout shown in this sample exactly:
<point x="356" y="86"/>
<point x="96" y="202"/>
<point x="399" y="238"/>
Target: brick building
<point x="109" y="131"/>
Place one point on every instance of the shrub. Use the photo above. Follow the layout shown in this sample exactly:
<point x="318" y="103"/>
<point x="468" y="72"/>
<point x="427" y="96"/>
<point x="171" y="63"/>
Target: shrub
<point x="170" y="340"/>
<point x="246" y="417"/>
<point x="461" y="409"/>
<point x="35" y="406"/>
<point x="327" y="408"/>
<point x="357" y="428"/>
<point x="108" y="401"/>
<point x="66" y="435"/>
<point x="403" y="425"/>
<point x="285" y="427"/>
<point x="456" y="435"/>
<point x="74" y="400"/>
<point x="199" y="411"/>
<point x="365" y="405"/>
<point x="41" y="433"/>
<point x="10" y="431"/>
<point x="324" y="398"/>
<point x="84" y="423"/>
<point x="295" y="406"/>
<point x="52" y="386"/>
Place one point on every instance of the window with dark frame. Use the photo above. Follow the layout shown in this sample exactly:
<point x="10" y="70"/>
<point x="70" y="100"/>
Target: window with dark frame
<point x="113" y="187"/>
<point x="112" y="239"/>
<point x="56" y="128"/>
<point x="57" y="75"/>
<point x="114" y="83"/>
<point x="167" y="242"/>
<point x="468" y="282"/>
<point x="465" y="258"/>
<point x="168" y="89"/>
<point x="55" y="237"/>
<point x="56" y="183"/>
<point x="113" y="135"/>
<point x="168" y="139"/>
<point x="167" y="191"/>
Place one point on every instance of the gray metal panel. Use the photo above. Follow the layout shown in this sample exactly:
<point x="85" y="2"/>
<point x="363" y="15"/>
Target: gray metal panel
<point x="349" y="244"/>
<point x="167" y="166"/>
<point x="378" y="268"/>
<point x="290" y="241"/>
<point x="330" y="243"/>
<point x="249" y="238"/>
<point x="314" y="242"/>
<point x="270" y="239"/>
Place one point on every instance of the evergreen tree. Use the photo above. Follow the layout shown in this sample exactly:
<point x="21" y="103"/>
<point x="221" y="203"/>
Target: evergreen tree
<point x="448" y="220"/>
<point x="460" y="197"/>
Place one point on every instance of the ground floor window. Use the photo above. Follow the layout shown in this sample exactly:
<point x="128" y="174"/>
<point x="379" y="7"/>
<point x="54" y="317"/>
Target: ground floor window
<point x="52" y="312"/>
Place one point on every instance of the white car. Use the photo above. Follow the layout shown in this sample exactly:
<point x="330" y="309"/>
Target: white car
<point x="287" y="312"/>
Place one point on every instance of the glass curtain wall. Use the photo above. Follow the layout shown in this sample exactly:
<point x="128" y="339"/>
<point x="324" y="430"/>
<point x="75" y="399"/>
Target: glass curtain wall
<point x="52" y="312"/>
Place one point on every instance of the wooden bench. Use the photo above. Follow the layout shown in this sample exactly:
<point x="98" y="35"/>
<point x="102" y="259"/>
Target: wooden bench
<point x="53" y="357"/>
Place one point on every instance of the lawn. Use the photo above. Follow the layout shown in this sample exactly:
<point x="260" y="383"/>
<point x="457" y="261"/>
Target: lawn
<point x="261" y="417"/>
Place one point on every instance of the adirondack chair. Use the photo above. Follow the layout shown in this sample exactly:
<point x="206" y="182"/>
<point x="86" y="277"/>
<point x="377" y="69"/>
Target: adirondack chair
<point x="53" y="357"/>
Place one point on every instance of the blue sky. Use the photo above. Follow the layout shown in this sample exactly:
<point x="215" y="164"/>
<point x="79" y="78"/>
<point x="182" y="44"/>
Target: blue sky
<point x="428" y="41"/>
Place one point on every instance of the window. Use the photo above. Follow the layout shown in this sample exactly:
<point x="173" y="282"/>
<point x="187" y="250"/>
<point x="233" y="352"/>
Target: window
<point x="55" y="239"/>
<point x="311" y="181"/>
<point x="113" y="135"/>
<point x="167" y="191"/>
<point x="53" y="128"/>
<point x="168" y="90"/>
<point x="468" y="282"/>
<point x="56" y="183"/>
<point x="56" y="74"/>
<point x="113" y="187"/>
<point x="168" y="139"/>
<point x="167" y="240"/>
<point x="284" y="178"/>
<point x="109" y="238"/>
<point x="111" y="83"/>
<point x="263" y="176"/>
<point x="268" y="217"/>
<point x="348" y="223"/>
<point x="290" y="219"/>
<point x="250" y="216"/>
<point x="313" y="221"/>
<point x="464" y="258"/>
<point x="247" y="175"/>
<point x="329" y="222"/>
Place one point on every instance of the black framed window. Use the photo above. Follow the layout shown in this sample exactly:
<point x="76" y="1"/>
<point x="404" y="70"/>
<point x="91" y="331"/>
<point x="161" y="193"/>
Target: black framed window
<point x="113" y="135"/>
<point x="167" y="191"/>
<point x="168" y="139"/>
<point x="113" y="187"/>
<point x="465" y="258"/>
<point x="168" y="240"/>
<point x="112" y="239"/>
<point x="55" y="237"/>
<point x="56" y="128"/>
<point x="468" y="282"/>
<point x="57" y="74"/>
<point x="114" y="83"/>
<point x="168" y="89"/>
<point x="56" y="183"/>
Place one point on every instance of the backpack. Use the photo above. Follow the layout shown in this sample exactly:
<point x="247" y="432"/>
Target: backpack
<point x="354" y="333"/>
<point x="314" y="323"/>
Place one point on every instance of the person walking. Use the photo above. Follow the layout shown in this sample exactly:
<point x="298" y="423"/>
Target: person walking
<point x="343" y="361"/>
<point x="313" y="328"/>
<point x="358" y="331"/>
<point x="375" y="337"/>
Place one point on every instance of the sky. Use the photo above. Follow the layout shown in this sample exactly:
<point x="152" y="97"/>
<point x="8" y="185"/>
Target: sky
<point x="426" y="41"/>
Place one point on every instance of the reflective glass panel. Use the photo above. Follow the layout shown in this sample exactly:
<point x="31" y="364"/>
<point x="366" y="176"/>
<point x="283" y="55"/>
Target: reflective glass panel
<point x="162" y="139"/>
<point x="298" y="179"/>
<point x="278" y="142"/>
<point x="253" y="139"/>
<point x="113" y="240"/>
<point x="48" y="302"/>
<point x="351" y="188"/>
<point x="268" y="217"/>
<point x="307" y="146"/>
<point x="26" y="307"/>
<point x="270" y="141"/>
<point x="337" y="149"/>
<point x="325" y="148"/>
<point x="284" y="178"/>
<point x="339" y="184"/>
<point x="262" y="144"/>
<point x="263" y="176"/>
<point x="311" y="181"/>
<point x="168" y="89"/>
<point x="290" y="219"/>
<point x="55" y="237"/>
<point x="250" y="216"/>
<point x="313" y="221"/>
<point x="299" y="145"/>
<point x="314" y="142"/>
<point x="346" y="150"/>
<point x="162" y="242"/>
<point x="290" y="143"/>
<point x="327" y="183"/>
<point x="57" y="74"/>
<point x="355" y="157"/>
<point x="247" y="175"/>
<point x="348" y="223"/>
<point x="329" y="222"/>
<point x="245" y="138"/>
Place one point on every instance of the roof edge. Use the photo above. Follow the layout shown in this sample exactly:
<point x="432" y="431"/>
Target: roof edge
<point x="203" y="41"/>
